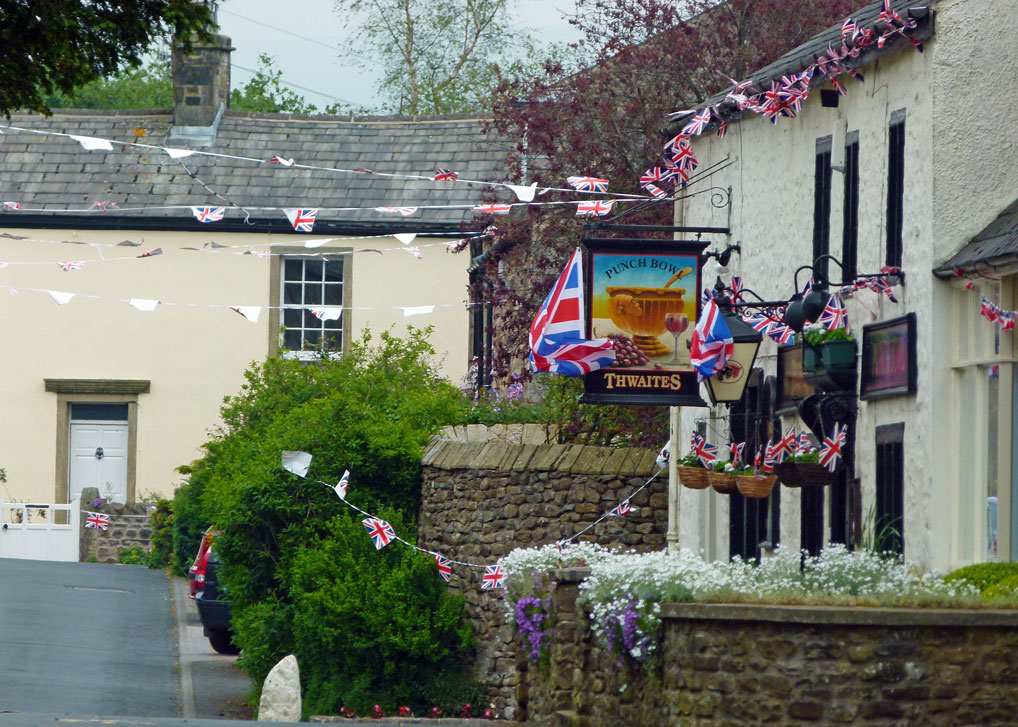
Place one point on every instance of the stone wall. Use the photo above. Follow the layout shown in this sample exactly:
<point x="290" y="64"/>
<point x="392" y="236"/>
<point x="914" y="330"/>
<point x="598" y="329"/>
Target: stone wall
<point x="130" y="526"/>
<point x="483" y="498"/>
<point x="783" y="666"/>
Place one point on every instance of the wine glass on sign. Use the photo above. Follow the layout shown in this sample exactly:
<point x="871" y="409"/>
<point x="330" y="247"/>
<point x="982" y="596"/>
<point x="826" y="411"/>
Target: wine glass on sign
<point x="676" y="324"/>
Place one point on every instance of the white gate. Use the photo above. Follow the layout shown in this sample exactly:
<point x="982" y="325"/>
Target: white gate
<point x="39" y="532"/>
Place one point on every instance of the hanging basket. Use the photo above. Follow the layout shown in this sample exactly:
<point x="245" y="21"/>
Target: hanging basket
<point x="723" y="482"/>
<point x="803" y="474"/>
<point x="695" y="478"/>
<point x="756" y="486"/>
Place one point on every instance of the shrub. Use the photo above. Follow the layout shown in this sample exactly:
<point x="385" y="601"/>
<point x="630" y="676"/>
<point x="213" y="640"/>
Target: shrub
<point x="982" y="575"/>
<point x="190" y="521"/>
<point x="1004" y="589"/>
<point x="134" y="555"/>
<point x="161" y="523"/>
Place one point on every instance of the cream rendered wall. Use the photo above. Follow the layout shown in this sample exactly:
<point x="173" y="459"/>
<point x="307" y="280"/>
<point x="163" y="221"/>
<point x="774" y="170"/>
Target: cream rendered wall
<point x="193" y="355"/>
<point x="772" y="183"/>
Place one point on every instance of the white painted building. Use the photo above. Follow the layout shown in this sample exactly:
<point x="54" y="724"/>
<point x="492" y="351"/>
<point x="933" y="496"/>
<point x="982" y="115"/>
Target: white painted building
<point x="834" y="169"/>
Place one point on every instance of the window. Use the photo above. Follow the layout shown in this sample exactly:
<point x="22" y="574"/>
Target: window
<point x="889" y="521"/>
<point x="850" y="214"/>
<point x="308" y="283"/>
<point x="822" y="204"/>
<point x="895" y="186"/>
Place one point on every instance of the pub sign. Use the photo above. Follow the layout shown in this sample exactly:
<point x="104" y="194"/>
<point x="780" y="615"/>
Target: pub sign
<point x="645" y="296"/>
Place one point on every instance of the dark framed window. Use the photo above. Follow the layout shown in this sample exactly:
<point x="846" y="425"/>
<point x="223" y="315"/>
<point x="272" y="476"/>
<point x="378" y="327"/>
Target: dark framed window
<point x="889" y="510"/>
<point x="850" y="213"/>
<point x="822" y="204"/>
<point x="91" y="411"/>
<point x="895" y="186"/>
<point x="844" y="492"/>
<point x="311" y="284"/>
<point x="811" y="514"/>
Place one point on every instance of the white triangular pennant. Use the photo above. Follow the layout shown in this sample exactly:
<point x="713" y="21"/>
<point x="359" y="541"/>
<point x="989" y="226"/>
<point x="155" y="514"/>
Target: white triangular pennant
<point x="405" y="237"/>
<point x="59" y="297"/>
<point x="251" y="312"/>
<point x="297" y="462"/>
<point x="524" y="194"/>
<point x="418" y="310"/>
<point x="144" y="304"/>
<point x="177" y="153"/>
<point x="332" y="313"/>
<point x="92" y="143"/>
<point x="317" y="243"/>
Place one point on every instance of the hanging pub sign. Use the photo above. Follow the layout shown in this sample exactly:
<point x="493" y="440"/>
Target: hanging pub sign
<point x="792" y="385"/>
<point x="889" y="358"/>
<point x="644" y="295"/>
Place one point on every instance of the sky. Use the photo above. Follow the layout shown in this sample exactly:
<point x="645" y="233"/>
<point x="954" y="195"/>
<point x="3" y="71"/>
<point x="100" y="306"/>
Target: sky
<point x="315" y="63"/>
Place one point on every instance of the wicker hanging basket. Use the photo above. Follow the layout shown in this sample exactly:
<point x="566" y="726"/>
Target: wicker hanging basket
<point x="803" y="474"/>
<point x="756" y="486"/>
<point x="695" y="478"/>
<point x="723" y="482"/>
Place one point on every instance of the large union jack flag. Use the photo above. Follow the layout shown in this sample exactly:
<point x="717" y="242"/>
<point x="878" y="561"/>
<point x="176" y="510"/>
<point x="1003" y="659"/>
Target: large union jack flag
<point x="303" y="220"/>
<point x="380" y="531"/>
<point x="97" y="520"/>
<point x="831" y="449"/>
<point x="444" y="567"/>
<point x="835" y="315"/>
<point x="208" y="214"/>
<point x="556" y="336"/>
<point x="705" y="453"/>
<point x="493" y="576"/>
<point x="711" y="344"/>
<point x="598" y="208"/>
<point x="588" y="184"/>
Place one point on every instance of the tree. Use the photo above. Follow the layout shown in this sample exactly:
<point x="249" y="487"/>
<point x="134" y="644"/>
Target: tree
<point x="437" y="56"/>
<point x="266" y="93"/>
<point x="59" y="45"/>
<point x="147" y="87"/>
<point x="640" y="60"/>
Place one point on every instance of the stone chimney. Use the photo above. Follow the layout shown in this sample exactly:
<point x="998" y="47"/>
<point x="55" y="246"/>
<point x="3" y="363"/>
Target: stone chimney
<point x="201" y="82"/>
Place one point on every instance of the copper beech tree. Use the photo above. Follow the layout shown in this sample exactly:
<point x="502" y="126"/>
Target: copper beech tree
<point x="606" y="116"/>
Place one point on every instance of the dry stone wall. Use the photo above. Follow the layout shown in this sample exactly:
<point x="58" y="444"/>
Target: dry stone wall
<point x="490" y="491"/>
<point x="781" y="666"/>
<point x="130" y="526"/>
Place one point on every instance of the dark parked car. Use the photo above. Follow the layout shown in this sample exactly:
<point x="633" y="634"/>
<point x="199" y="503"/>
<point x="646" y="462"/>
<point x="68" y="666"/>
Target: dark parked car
<point x="213" y="608"/>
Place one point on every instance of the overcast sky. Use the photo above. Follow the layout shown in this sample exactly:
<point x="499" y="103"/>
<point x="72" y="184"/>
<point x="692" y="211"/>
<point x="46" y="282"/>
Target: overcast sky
<point x="315" y="60"/>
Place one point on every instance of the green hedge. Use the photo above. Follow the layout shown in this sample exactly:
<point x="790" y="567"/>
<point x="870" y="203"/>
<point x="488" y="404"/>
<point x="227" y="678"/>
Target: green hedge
<point x="983" y="575"/>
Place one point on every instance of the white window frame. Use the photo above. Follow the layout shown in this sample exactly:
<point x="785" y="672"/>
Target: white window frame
<point x="304" y="306"/>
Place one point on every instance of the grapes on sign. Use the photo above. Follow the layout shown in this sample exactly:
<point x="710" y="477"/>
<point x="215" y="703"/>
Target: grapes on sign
<point x="627" y="353"/>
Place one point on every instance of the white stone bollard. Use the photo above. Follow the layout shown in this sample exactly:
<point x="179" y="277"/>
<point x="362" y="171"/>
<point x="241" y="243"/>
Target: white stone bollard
<point x="280" y="700"/>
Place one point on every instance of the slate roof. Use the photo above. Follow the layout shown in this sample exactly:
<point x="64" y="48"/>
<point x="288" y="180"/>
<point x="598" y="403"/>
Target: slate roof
<point x="995" y="245"/>
<point x="58" y="173"/>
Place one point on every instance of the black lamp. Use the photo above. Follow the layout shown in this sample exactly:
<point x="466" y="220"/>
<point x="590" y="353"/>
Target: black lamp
<point x="795" y="316"/>
<point x="814" y="303"/>
<point x="728" y="385"/>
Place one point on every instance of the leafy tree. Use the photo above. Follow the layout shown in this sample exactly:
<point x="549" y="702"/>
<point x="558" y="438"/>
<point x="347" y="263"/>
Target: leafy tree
<point x="640" y="60"/>
<point x="58" y="45"/>
<point x="266" y="93"/>
<point x="437" y="56"/>
<point x="147" y="87"/>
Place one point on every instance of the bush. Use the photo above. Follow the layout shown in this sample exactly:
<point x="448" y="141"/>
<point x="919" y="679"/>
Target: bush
<point x="983" y="575"/>
<point x="1004" y="589"/>
<point x="134" y="555"/>
<point x="190" y="522"/>
<point x="161" y="554"/>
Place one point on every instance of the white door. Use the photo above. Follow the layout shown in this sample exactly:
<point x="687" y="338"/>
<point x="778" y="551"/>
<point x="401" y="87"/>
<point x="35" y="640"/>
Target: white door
<point x="98" y="459"/>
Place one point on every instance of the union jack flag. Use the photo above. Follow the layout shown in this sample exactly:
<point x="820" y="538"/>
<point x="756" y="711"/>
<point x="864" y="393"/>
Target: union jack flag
<point x="988" y="310"/>
<point x="831" y="449"/>
<point x="445" y="175"/>
<point x="556" y="335"/>
<point x="655" y="174"/>
<point x="588" y="184"/>
<point x="493" y="576"/>
<point x="848" y="28"/>
<point x="281" y="160"/>
<point x="835" y="315"/>
<point x="623" y="509"/>
<point x="654" y="191"/>
<point x="785" y="447"/>
<point x="493" y="209"/>
<point x="98" y="521"/>
<point x="152" y="252"/>
<point x="415" y="251"/>
<point x="780" y="333"/>
<point x="880" y="285"/>
<point x="598" y="208"/>
<point x="698" y="123"/>
<point x="208" y="214"/>
<point x="380" y="531"/>
<point x="71" y="266"/>
<point x="342" y="485"/>
<point x="722" y="129"/>
<point x="12" y="205"/>
<point x="405" y="211"/>
<point x="444" y="568"/>
<point x="735" y="452"/>
<point x="303" y="220"/>
<point x="805" y="443"/>
<point x="107" y="205"/>
<point x="711" y="343"/>
<point x="768" y="459"/>
<point x="683" y="157"/>
<point x="758" y="461"/>
<point x="514" y="391"/>
<point x="736" y="287"/>
<point x="760" y="322"/>
<point x="1006" y="320"/>
<point x="705" y="453"/>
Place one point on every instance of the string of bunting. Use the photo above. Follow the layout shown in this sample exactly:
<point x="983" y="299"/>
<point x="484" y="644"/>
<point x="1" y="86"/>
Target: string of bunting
<point x="382" y="533"/>
<point x="989" y="310"/>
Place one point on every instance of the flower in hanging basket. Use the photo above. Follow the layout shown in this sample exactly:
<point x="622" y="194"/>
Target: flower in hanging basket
<point x="803" y="469"/>
<point x="817" y="333"/>
<point x="692" y="474"/>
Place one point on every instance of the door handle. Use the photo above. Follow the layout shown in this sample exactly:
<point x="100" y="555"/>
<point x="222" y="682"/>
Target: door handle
<point x="98" y="452"/>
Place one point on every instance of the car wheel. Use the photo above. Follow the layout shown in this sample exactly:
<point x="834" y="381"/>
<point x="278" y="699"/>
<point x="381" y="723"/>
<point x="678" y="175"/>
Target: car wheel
<point x="222" y="641"/>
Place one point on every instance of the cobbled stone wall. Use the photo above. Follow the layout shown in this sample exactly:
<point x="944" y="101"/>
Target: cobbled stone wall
<point x="487" y="491"/>
<point x="130" y="526"/>
<point x="781" y="666"/>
